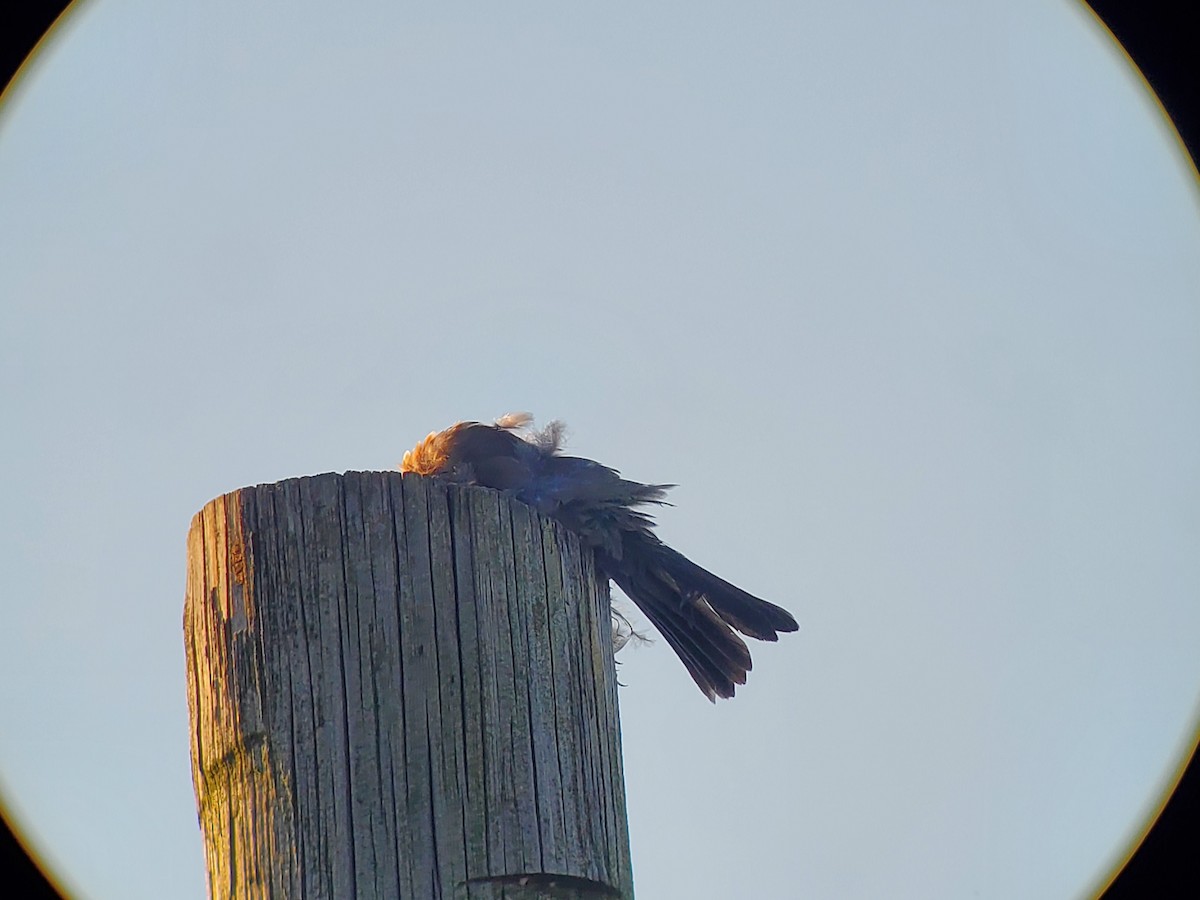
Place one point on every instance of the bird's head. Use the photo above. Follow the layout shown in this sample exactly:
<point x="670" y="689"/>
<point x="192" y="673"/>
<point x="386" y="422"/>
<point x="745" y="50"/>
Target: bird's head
<point x="431" y="456"/>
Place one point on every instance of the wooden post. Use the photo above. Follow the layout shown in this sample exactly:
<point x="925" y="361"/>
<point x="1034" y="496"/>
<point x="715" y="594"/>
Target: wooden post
<point x="400" y="688"/>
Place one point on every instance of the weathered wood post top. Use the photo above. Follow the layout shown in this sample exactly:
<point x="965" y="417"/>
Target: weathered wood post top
<point x="400" y="688"/>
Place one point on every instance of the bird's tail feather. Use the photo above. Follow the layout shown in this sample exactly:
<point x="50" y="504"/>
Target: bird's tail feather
<point x="696" y="611"/>
<point x="750" y="615"/>
<point x="716" y="658"/>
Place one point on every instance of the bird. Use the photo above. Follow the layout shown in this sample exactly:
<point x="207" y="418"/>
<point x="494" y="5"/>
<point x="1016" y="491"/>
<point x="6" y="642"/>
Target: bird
<point x="698" y="613"/>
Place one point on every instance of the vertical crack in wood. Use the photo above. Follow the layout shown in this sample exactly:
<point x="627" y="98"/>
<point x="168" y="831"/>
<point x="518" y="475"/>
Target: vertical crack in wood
<point x="456" y="600"/>
<point x="350" y="710"/>
<point x="396" y="492"/>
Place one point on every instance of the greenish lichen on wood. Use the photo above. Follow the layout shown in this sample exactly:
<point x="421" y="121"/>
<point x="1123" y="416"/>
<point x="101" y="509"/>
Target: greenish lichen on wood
<point x="400" y="688"/>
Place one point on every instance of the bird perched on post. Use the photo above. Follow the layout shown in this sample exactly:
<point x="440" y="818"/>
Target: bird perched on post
<point x="698" y="613"/>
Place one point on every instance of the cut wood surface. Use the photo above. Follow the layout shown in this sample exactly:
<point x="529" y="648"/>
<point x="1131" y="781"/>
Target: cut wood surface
<point x="400" y="688"/>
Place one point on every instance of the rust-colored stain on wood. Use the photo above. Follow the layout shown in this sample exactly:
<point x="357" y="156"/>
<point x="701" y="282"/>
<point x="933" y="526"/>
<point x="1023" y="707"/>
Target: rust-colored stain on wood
<point x="242" y="589"/>
<point x="237" y="560"/>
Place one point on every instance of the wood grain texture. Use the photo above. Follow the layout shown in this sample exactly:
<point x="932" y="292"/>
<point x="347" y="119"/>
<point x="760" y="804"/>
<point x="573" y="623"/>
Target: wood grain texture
<point x="400" y="688"/>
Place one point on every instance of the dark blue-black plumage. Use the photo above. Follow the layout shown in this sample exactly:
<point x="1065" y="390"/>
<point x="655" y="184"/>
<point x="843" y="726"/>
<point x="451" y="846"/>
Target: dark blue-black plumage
<point x="698" y="613"/>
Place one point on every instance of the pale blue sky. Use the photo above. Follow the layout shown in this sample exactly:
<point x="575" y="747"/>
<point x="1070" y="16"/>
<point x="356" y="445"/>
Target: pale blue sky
<point x="905" y="298"/>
